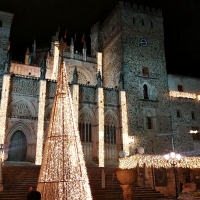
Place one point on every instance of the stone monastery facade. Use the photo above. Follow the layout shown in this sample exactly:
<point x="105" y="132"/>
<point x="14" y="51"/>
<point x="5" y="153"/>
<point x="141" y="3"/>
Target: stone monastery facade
<point x="121" y="91"/>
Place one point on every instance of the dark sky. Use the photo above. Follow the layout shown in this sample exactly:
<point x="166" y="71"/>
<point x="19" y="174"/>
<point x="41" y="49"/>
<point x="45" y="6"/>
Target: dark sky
<point x="39" y="19"/>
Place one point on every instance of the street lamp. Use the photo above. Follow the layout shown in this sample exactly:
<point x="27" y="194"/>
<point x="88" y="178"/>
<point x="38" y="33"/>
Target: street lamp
<point x="1" y="159"/>
<point x="173" y="158"/>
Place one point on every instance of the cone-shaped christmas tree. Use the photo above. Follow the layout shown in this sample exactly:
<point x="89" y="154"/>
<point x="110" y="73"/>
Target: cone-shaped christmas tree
<point x="63" y="174"/>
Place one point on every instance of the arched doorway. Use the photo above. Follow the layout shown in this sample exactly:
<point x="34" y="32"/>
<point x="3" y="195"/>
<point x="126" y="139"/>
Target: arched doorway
<point x="17" y="147"/>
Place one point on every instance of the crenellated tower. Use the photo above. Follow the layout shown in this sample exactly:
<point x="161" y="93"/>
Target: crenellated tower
<point x="133" y="48"/>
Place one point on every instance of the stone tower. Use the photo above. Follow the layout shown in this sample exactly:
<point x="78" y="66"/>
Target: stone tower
<point x="132" y="40"/>
<point x="5" y="25"/>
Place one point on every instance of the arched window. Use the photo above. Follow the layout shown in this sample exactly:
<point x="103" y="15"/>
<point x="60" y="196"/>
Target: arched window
<point x="133" y="20"/>
<point x="151" y="24"/>
<point x="145" y="91"/>
<point x="109" y="130"/>
<point x="142" y="22"/>
<point x="150" y="121"/>
<point x="1" y="23"/>
<point x="85" y="129"/>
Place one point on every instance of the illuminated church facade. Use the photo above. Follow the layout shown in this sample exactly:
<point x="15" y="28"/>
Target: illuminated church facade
<point x="122" y="91"/>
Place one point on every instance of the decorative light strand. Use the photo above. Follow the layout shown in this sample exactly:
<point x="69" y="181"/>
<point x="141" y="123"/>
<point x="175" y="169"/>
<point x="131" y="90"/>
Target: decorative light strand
<point x="182" y="94"/>
<point x="101" y="126"/>
<point x="75" y="89"/>
<point x="124" y="118"/>
<point x="40" y="130"/>
<point x="4" y="106"/>
<point x="99" y="62"/>
<point x="157" y="161"/>
<point x="55" y="61"/>
<point x="63" y="173"/>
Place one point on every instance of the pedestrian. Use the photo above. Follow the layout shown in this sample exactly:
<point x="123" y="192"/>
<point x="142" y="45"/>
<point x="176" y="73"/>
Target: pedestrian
<point x="34" y="195"/>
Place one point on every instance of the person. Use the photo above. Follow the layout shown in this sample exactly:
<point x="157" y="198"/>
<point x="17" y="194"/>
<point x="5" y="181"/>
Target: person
<point x="30" y="189"/>
<point x="34" y="195"/>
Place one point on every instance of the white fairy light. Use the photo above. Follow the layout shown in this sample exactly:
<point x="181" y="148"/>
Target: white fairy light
<point x="101" y="126"/>
<point x="124" y="117"/>
<point x="63" y="173"/>
<point x="40" y="130"/>
<point x="4" y="106"/>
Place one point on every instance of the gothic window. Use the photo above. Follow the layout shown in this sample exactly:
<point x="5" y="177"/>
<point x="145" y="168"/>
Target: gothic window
<point x="145" y="71"/>
<point x="145" y="91"/>
<point x="85" y="129"/>
<point x="195" y="136"/>
<point x="151" y="24"/>
<point x="142" y="22"/>
<point x="109" y="130"/>
<point x="1" y="23"/>
<point x="193" y="115"/>
<point x="149" y="123"/>
<point x="180" y="88"/>
<point x="178" y="113"/>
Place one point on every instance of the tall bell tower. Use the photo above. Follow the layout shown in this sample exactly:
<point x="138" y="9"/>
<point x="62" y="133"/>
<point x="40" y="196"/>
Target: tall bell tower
<point x="132" y="39"/>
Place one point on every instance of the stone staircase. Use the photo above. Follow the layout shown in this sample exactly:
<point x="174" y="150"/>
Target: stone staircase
<point x="17" y="180"/>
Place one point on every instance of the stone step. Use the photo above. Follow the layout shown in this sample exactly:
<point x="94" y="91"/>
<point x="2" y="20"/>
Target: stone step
<point x="17" y="180"/>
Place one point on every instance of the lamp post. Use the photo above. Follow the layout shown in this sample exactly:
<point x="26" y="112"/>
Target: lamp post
<point x="173" y="158"/>
<point x="1" y="158"/>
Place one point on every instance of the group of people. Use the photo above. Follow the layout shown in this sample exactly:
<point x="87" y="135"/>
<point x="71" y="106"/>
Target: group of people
<point x="33" y="194"/>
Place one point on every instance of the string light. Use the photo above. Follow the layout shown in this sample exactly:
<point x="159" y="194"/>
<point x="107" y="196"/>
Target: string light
<point x="182" y="94"/>
<point x="125" y="137"/>
<point x="194" y="131"/>
<point x="55" y="62"/>
<point x="76" y="102"/>
<point x="157" y="161"/>
<point x="63" y="174"/>
<point x="101" y="126"/>
<point x="4" y="106"/>
<point x="40" y="130"/>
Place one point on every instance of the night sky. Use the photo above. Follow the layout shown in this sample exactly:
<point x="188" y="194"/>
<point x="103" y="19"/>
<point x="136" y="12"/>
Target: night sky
<point x="40" y="19"/>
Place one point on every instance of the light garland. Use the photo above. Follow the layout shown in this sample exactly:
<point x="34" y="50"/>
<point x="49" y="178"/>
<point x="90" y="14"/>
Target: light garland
<point x="75" y="97"/>
<point x="182" y="94"/>
<point x="55" y="61"/>
<point x="99" y="62"/>
<point x="157" y="161"/>
<point x="40" y="130"/>
<point x="101" y="126"/>
<point x="124" y="118"/>
<point x="4" y="106"/>
<point x="63" y="173"/>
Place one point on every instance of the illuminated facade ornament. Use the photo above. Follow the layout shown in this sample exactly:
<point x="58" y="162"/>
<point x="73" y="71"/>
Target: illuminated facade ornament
<point x="101" y="125"/>
<point x="40" y="130"/>
<point x="4" y="106"/>
<point x="124" y="122"/>
<point x="182" y="94"/>
<point x="63" y="173"/>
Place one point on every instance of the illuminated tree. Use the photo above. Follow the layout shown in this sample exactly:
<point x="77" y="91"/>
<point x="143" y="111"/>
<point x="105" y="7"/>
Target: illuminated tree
<point x="63" y="174"/>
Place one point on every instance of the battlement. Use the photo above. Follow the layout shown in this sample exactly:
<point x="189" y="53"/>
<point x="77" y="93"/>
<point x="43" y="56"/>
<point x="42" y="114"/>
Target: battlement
<point x="6" y="19"/>
<point x="140" y="8"/>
